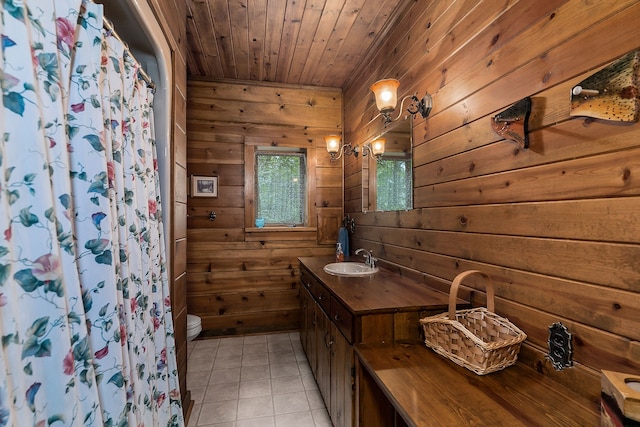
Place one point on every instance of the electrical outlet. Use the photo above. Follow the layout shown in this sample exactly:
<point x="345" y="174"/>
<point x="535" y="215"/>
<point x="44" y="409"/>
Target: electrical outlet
<point x="560" y="351"/>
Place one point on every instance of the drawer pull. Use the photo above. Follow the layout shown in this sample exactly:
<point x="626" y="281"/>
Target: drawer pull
<point x="337" y="318"/>
<point x="328" y="340"/>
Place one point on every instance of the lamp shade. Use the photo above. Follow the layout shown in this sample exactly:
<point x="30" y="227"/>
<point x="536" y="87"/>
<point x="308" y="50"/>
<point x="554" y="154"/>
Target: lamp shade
<point x="386" y="92"/>
<point x="377" y="146"/>
<point x="333" y="143"/>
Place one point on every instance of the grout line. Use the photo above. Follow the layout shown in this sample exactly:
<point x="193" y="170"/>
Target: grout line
<point x="220" y="343"/>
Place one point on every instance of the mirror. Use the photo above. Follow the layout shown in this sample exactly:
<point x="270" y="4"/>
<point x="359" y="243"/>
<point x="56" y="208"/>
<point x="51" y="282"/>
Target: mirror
<point x="387" y="184"/>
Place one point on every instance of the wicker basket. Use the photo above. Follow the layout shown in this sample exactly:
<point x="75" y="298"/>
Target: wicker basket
<point x="477" y="339"/>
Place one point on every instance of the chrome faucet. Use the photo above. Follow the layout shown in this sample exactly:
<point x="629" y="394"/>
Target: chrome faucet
<point x="369" y="259"/>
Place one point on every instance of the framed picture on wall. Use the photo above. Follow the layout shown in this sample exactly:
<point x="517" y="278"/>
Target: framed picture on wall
<point x="204" y="186"/>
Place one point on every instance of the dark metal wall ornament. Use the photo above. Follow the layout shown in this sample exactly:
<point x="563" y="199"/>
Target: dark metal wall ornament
<point x="212" y="216"/>
<point x="513" y="123"/>
<point x="611" y="93"/>
<point x="560" y="350"/>
<point x="349" y="223"/>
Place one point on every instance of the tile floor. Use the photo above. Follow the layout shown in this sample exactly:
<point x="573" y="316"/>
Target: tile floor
<point x="253" y="381"/>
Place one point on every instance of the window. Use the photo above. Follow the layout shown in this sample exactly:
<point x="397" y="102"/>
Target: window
<point x="394" y="186"/>
<point x="281" y="187"/>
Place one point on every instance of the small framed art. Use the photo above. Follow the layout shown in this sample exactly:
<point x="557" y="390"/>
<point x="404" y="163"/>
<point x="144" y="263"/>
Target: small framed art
<point x="204" y="186"/>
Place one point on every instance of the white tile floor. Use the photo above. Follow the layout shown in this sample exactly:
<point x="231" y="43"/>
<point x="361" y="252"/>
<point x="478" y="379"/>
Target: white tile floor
<point x="253" y="381"/>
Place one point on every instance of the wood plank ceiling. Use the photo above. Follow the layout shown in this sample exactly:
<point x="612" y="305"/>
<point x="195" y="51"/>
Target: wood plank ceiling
<point x="309" y="42"/>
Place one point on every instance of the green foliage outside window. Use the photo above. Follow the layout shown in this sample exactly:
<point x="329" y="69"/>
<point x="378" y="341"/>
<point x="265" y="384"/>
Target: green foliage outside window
<point x="281" y="187"/>
<point x="393" y="184"/>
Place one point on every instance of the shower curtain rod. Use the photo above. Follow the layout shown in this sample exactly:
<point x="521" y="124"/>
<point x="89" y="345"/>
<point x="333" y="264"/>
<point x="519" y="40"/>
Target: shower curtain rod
<point x="142" y="73"/>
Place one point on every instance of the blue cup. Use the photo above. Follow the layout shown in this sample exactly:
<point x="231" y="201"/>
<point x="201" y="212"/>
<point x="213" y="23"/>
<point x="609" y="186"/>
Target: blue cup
<point x="259" y="222"/>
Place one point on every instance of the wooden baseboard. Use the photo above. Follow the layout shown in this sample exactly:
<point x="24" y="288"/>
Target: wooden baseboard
<point x="229" y="332"/>
<point x="580" y="378"/>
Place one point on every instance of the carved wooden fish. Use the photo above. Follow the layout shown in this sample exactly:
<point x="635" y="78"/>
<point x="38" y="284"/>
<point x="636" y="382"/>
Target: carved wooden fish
<point x="611" y="93"/>
<point x="513" y="123"/>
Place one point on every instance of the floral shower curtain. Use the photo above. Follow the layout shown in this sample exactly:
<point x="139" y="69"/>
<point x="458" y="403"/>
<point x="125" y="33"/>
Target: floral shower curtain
<point x="85" y="316"/>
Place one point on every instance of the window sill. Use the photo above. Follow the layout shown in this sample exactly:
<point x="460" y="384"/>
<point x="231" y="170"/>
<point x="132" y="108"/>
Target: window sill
<point x="279" y="229"/>
<point x="275" y="234"/>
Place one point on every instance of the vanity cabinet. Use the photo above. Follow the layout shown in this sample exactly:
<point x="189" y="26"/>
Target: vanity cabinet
<point x="411" y="385"/>
<point x="330" y="355"/>
<point x="338" y="313"/>
<point x="362" y="338"/>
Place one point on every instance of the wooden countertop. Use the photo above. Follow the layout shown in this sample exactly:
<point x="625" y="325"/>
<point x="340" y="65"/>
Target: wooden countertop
<point x="429" y="390"/>
<point x="384" y="291"/>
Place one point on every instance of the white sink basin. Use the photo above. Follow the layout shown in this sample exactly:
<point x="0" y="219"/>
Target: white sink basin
<point x="354" y="269"/>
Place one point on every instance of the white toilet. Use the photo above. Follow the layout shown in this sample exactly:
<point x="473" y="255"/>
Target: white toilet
<point x="194" y="326"/>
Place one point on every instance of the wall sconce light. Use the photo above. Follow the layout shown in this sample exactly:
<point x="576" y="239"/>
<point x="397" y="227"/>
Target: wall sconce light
<point x="386" y="93"/>
<point x="334" y="147"/>
<point x="376" y="148"/>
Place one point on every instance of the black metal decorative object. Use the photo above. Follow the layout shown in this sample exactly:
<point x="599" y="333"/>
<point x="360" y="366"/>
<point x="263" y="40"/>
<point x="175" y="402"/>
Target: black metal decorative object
<point x="349" y="223"/>
<point x="422" y="106"/>
<point x="560" y="351"/>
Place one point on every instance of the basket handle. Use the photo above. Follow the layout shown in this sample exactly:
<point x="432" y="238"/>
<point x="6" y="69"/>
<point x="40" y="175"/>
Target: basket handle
<point x="453" y="293"/>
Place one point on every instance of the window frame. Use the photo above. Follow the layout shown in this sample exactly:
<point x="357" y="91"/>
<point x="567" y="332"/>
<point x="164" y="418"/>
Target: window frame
<point x="373" y="181"/>
<point x="251" y="196"/>
<point x="299" y="154"/>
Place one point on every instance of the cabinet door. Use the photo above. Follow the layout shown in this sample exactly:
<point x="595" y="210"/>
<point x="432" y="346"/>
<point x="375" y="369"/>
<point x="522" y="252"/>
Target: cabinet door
<point x="304" y="329"/>
<point x="307" y="327"/>
<point x="323" y="347"/>
<point x="342" y="380"/>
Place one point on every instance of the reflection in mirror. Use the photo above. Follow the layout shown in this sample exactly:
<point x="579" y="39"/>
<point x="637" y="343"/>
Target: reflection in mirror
<point x="387" y="184"/>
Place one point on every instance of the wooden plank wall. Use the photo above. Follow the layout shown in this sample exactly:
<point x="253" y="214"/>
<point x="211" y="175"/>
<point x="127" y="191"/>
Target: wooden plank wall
<point x="241" y="279"/>
<point x="172" y="18"/>
<point x="556" y="226"/>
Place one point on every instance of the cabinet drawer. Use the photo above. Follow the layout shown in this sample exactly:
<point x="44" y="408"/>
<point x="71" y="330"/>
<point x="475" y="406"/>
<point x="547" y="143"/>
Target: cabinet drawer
<point x="342" y="318"/>
<point x="307" y="281"/>
<point x="316" y="289"/>
<point x="322" y="295"/>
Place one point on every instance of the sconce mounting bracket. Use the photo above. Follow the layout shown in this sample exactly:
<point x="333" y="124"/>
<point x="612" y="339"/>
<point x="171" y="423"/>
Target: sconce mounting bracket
<point x="347" y="150"/>
<point x="422" y="106"/>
